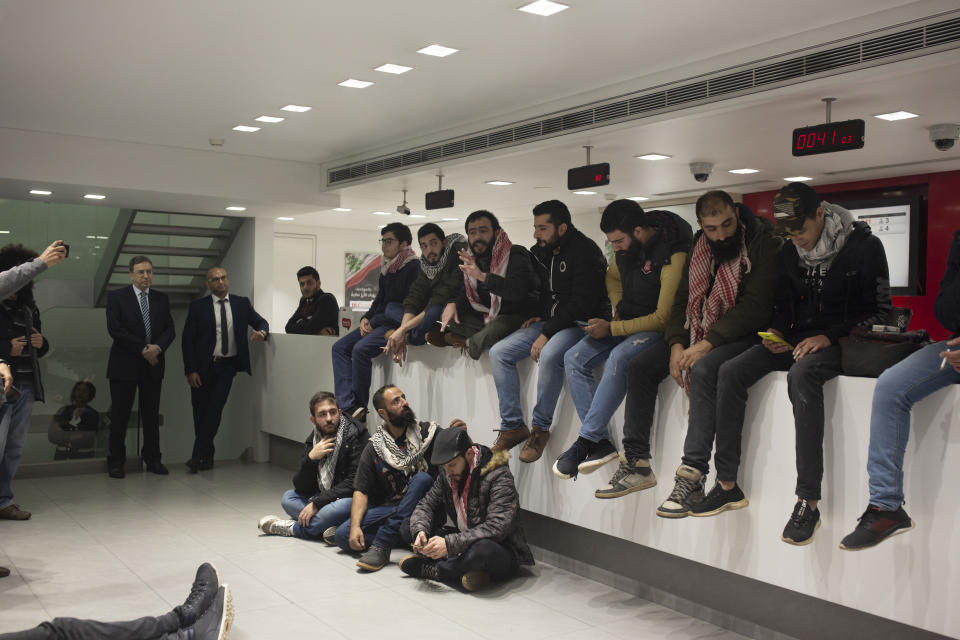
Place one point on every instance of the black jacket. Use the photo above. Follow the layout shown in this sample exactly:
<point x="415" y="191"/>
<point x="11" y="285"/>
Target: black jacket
<point x="322" y="312"/>
<point x="575" y="287"/>
<point x="519" y="288"/>
<point x="305" y="481"/>
<point x="640" y="272"/>
<point x="13" y="324"/>
<point x="125" y="326"/>
<point x="392" y="288"/>
<point x="947" y="305"/>
<point x="200" y="333"/>
<point x="856" y="290"/>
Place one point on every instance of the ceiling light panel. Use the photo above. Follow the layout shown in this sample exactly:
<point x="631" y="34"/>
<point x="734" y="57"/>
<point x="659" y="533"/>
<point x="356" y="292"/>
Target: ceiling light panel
<point x="244" y="128"/>
<point x="416" y="215"/>
<point x="638" y="198"/>
<point x="286" y="218"/>
<point x="449" y="219"/>
<point x="652" y="156"/>
<point x="342" y="209"/>
<point x="236" y="208"/>
<point x="382" y="213"/>
<point x="585" y="193"/>
<point x="743" y="171"/>
<point x="353" y="83"/>
<point x="296" y="108"/>
<point x="437" y="50"/>
<point x="270" y="119"/>
<point x="94" y="196"/>
<point x="499" y="183"/>
<point x="393" y="68"/>
<point x="798" y="179"/>
<point x="41" y="192"/>
<point x="895" y="115"/>
<point x="543" y="8"/>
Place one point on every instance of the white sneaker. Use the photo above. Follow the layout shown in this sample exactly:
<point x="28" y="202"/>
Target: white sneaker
<point x="276" y="526"/>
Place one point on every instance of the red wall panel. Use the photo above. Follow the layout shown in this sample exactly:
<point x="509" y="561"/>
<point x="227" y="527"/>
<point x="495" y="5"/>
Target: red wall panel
<point x="943" y="218"/>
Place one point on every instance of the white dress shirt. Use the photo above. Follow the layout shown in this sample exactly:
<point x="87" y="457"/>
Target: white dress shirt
<point x="231" y="341"/>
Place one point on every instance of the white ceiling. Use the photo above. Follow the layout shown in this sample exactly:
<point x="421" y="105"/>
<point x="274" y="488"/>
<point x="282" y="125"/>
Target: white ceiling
<point x="176" y="73"/>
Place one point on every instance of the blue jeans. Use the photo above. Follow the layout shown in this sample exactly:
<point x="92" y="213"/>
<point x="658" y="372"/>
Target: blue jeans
<point x="418" y="335"/>
<point x="353" y="356"/>
<point x="898" y="389"/>
<point x="329" y="515"/>
<point x="504" y="357"/>
<point x="596" y="402"/>
<point x="14" y="420"/>
<point x="382" y="525"/>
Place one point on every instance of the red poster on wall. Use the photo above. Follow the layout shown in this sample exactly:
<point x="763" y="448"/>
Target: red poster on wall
<point x="361" y="274"/>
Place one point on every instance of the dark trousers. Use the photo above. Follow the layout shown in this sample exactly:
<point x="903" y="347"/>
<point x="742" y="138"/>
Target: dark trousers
<point x="430" y="322"/>
<point x="75" y="629"/>
<point x="353" y="356"/>
<point x="208" y="402"/>
<point x="387" y="526"/>
<point x="645" y="372"/>
<point x="122" y="393"/>
<point x="483" y="555"/>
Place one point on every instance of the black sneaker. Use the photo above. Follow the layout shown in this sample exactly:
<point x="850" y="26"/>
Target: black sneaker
<point x="216" y="621"/>
<point x="876" y="525"/>
<point x="374" y="558"/>
<point x="601" y="453"/>
<point x="720" y="500"/>
<point x="420" y="567"/>
<point x="687" y="492"/>
<point x="803" y="523"/>
<point x="202" y="593"/>
<point x="568" y="464"/>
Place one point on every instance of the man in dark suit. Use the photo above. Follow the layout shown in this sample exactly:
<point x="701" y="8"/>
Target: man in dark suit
<point x="214" y="349"/>
<point x="139" y="321"/>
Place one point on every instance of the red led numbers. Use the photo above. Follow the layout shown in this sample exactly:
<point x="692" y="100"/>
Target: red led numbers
<point x="827" y="138"/>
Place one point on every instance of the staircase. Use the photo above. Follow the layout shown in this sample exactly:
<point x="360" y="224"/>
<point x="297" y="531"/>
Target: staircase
<point x="181" y="246"/>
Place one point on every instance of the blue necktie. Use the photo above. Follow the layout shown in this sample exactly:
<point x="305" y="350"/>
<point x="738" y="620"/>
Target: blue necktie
<point x="145" y="310"/>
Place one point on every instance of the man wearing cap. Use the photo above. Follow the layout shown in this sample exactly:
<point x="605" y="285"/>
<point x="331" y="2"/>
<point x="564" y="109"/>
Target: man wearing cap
<point x="476" y="491"/>
<point x="834" y="278"/>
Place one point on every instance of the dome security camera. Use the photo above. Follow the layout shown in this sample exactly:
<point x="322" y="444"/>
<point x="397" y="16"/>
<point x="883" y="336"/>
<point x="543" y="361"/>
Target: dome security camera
<point x="944" y="136"/>
<point x="701" y="170"/>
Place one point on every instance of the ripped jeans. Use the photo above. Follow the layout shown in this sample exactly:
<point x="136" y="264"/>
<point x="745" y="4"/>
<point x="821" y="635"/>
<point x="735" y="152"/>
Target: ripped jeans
<point x="596" y="402"/>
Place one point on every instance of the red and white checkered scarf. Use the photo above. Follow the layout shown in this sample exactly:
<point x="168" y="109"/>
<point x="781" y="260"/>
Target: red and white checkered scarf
<point x="702" y="309"/>
<point x="399" y="261"/>
<point x="460" y="498"/>
<point x="498" y="265"/>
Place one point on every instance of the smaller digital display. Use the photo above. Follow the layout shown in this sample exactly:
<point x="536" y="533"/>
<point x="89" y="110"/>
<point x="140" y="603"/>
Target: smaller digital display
<point x="828" y="137"/>
<point x="592" y="175"/>
<point x="442" y="199"/>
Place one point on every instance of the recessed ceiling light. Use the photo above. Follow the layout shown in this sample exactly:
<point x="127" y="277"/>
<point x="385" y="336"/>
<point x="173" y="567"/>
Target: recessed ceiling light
<point x="91" y="237"/>
<point x="41" y="192"/>
<point x="585" y="193"/>
<point x="236" y="208"/>
<point x="652" y="156"/>
<point x="353" y="83"/>
<point x="382" y="213"/>
<point x="245" y="128"/>
<point x="94" y="196"/>
<point x="295" y="108"/>
<point x="638" y="198"/>
<point x="437" y="50"/>
<point x="797" y="179"/>
<point x="895" y="115"/>
<point x="4" y="231"/>
<point x="449" y="219"/>
<point x="543" y="8"/>
<point x="393" y="68"/>
<point x="342" y="209"/>
<point x="381" y="226"/>
<point x="270" y="119"/>
<point x="741" y="171"/>
<point x="416" y="215"/>
<point x="499" y="183"/>
<point x="285" y="218"/>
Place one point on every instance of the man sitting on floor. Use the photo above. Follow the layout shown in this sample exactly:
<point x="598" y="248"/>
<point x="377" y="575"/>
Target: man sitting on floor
<point x="477" y="492"/>
<point x="323" y="488"/>
<point x="393" y="474"/>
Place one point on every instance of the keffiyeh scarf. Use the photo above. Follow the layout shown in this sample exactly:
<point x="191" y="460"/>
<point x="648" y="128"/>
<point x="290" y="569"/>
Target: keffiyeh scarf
<point x="409" y="461"/>
<point x="399" y="261"/>
<point x="498" y="266"/>
<point x="460" y="498"/>
<point x="328" y="465"/>
<point x="431" y="270"/>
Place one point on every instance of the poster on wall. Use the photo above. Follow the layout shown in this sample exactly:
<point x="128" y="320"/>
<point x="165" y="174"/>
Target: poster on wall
<point x="361" y="274"/>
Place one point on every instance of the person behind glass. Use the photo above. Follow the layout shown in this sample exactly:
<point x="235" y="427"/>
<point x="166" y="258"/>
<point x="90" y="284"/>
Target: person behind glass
<point x="21" y="346"/>
<point x="439" y="282"/>
<point x="393" y="475"/>
<point x="724" y="297"/>
<point x="501" y="289"/>
<point x="318" y="312"/>
<point x="214" y="350"/>
<point x="353" y="353"/>
<point x="573" y="291"/>
<point x="139" y="321"/>
<point x="11" y="281"/>
<point x="834" y="277"/>
<point x="323" y="487"/>
<point x="650" y="251"/>
<point x="898" y="389"/>
<point x="75" y="425"/>
<point x="476" y="491"/>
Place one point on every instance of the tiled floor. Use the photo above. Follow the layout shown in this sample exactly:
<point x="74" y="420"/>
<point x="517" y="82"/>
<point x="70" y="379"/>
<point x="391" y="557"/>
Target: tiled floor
<point x="117" y="549"/>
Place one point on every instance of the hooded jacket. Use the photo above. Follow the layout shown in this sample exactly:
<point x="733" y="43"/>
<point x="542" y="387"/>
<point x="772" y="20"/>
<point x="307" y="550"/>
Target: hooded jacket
<point x="856" y="290"/>
<point x="574" y="286"/>
<point x="493" y="509"/>
<point x="305" y="481"/>
<point x="947" y="305"/>
<point x="754" y="297"/>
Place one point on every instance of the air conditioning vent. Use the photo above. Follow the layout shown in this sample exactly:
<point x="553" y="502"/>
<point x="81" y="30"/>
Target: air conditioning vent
<point x="866" y="50"/>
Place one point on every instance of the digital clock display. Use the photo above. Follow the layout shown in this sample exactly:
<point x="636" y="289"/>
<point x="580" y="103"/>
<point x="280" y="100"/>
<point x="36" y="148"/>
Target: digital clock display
<point x="828" y="137"/>
<point x="592" y="175"/>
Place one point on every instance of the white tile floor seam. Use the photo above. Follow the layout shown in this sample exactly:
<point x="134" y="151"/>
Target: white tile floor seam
<point x="117" y="549"/>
